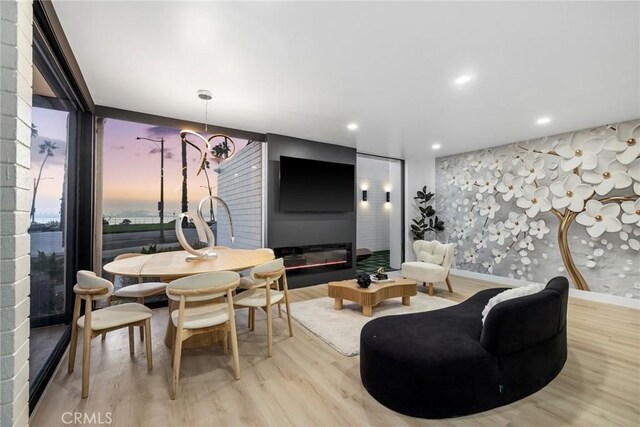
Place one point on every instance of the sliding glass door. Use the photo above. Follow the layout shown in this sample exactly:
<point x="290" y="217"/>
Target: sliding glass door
<point x="60" y="207"/>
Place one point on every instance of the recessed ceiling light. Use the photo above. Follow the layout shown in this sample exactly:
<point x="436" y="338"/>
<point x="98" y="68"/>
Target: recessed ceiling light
<point x="352" y="126"/>
<point x="543" y="120"/>
<point x="464" y="79"/>
<point x="436" y="146"/>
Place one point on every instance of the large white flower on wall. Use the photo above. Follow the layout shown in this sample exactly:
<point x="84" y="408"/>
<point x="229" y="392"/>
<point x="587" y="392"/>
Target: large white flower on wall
<point x="467" y="182"/>
<point x="576" y="177"/>
<point x="599" y="218"/>
<point x="631" y="212"/>
<point x="538" y="228"/>
<point x="580" y="152"/>
<point x="626" y="143"/>
<point x="570" y="193"/>
<point x="497" y="233"/>
<point x="517" y="223"/>
<point x="609" y="174"/>
<point x="487" y="183"/>
<point x="533" y="169"/>
<point x="489" y="207"/>
<point x="510" y="186"/>
<point x="534" y="200"/>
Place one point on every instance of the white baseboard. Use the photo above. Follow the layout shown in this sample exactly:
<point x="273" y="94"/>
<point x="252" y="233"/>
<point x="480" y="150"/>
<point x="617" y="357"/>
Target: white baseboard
<point x="575" y="293"/>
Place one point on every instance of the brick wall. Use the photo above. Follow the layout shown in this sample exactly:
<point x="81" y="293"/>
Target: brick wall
<point x="240" y="186"/>
<point x="16" y="18"/>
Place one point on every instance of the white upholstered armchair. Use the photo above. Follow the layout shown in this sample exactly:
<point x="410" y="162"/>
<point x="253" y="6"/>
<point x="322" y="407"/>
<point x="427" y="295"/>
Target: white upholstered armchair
<point x="432" y="265"/>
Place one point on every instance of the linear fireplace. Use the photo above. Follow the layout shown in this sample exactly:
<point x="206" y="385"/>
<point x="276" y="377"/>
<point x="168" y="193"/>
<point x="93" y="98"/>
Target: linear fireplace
<point x="315" y="258"/>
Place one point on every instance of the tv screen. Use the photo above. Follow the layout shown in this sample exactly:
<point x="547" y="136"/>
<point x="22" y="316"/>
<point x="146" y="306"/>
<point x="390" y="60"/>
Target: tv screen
<point x="315" y="186"/>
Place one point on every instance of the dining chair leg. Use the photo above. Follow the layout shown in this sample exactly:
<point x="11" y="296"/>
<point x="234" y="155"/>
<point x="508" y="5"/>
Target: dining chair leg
<point x="286" y="302"/>
<point x="225" y="340"/>
<point x="141" y="301"/>
<point x="253" y="319"/>
<point x="73" y="348"/>
<point x="177" y="350"/>
<point x="86" y="348"/>
<point x="249" y="313"/>
<point x="86" y="362"/>
<point x="279" y="303"/>
<point x="147" y="327"/>
<point x="131" y="345"/>
<point x="234" y="338"/>
<point x="74" y="334"/>
<point x="269" y="331"/>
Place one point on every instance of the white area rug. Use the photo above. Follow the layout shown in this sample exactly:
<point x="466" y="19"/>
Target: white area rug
<point x="341" y="328"/>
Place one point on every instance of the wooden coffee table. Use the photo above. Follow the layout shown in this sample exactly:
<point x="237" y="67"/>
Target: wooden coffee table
<point x="373" y="295"/>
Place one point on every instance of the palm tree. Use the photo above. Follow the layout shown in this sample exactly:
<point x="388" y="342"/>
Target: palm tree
<point x="47" y="148"/>
<point x="185" y="200"/>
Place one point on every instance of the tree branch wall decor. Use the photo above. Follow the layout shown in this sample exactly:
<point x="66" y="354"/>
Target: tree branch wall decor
<point x="506" y="204"/>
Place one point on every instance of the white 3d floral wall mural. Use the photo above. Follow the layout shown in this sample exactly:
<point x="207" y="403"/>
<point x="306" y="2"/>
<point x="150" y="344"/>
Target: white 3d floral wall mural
<point x="561" y="205"/>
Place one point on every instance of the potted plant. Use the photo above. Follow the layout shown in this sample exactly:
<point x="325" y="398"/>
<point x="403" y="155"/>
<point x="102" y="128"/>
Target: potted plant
<point x="428" y="220"/>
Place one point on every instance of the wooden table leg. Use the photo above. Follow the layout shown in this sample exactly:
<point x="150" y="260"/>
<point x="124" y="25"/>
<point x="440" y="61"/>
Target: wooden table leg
<point x="367" y="310"/>
<point x="337" y="305"/>
<point x="406" y="300"/>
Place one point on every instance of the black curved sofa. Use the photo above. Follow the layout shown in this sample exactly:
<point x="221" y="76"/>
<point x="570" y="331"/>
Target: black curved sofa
<point x="445" y="363"/>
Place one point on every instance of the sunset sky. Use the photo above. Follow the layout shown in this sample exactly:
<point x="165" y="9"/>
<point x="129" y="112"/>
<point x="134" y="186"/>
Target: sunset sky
<point x="132" y="171"/>
<point x="131" y="168"/>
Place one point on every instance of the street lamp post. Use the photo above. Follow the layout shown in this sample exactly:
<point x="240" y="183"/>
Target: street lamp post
<point x="161" y="204"/>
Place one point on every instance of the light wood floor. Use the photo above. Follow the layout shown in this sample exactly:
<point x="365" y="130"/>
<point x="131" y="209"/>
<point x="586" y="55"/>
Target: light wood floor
<point x="307" y="383"/>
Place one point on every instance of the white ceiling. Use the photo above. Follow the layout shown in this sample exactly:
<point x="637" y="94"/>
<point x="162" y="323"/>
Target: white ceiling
<point x="308" y="69"/>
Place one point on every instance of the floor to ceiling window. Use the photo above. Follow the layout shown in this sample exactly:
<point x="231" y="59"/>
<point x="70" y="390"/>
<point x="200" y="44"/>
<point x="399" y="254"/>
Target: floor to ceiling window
<point x="49" y="134"/>
<point x="60" y="204"/>
<point x="149" y="178"/>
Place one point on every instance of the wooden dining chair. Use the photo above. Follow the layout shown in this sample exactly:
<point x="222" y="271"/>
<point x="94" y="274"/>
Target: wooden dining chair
<point x="139" y="291"/>
<point x="90" y="287"/>
<point x="260" y="294"/>
<point x="206" y="316"/>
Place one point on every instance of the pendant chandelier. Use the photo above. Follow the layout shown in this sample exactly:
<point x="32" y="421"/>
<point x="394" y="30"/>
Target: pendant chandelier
<point x="218" y="147"/>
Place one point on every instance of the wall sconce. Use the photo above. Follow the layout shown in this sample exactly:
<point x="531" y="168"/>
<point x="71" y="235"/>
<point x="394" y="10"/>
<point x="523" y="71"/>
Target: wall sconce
<point x="364" y="195"/>
<point x="388" y="196"/>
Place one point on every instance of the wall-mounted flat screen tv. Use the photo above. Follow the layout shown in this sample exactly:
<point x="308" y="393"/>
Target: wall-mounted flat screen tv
<point x="315" y="186"/>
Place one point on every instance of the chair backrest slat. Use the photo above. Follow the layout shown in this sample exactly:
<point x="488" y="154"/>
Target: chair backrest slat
<point x="202" y="287"/>
<point x="277" y="265"/>
<point x="88" y="280"/>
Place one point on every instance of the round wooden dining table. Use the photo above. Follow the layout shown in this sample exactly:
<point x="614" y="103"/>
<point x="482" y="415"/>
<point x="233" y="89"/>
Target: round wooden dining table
<point x="173" y="265"/>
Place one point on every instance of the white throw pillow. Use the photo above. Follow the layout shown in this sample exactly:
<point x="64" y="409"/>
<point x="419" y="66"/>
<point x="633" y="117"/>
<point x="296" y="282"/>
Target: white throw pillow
<point x="510" y="294"/>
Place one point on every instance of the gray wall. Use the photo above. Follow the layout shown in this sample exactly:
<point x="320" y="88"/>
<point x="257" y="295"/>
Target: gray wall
<point x="301" y="229"/>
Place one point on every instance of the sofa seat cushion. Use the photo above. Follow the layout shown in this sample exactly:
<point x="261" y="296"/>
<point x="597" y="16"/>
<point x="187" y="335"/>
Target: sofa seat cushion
<point x="117" y="315"/>
<point x="423" y="272"/>
<point x="448" y="335"/>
